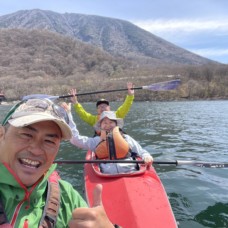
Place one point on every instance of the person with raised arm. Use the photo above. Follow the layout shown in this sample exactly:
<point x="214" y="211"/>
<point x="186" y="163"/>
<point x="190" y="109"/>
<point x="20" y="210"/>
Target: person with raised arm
<point x="102" y="105"/>
<point x="112" y="142"/>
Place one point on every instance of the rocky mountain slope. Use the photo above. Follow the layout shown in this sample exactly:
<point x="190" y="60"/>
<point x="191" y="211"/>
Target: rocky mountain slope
<point x="118" y="37"/>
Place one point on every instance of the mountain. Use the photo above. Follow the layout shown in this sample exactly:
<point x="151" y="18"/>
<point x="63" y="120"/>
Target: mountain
<point x="47" y="62"/>
<point x="117" y="37"/>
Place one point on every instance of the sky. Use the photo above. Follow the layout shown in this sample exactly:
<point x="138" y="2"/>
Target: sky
<point x="200" y="26"/>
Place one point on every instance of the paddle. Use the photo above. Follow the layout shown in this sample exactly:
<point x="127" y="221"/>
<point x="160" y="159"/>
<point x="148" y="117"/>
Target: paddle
<point x="177" y="162"/>
<point x="160" y="86"/>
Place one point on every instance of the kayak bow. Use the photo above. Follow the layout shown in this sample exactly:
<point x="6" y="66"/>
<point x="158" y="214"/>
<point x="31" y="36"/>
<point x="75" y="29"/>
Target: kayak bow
<point x="131" y="200"/>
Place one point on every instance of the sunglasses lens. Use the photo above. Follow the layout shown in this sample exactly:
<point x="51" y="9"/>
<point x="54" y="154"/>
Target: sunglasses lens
<point x="35" y="105"/>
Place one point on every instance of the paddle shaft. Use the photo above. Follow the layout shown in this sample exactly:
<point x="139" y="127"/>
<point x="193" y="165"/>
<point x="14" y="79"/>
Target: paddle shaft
<point x="177" y="162"/>
<point x="96" y="161"/>
<point x="96" y="92"/>
<point x="159" y="86"/>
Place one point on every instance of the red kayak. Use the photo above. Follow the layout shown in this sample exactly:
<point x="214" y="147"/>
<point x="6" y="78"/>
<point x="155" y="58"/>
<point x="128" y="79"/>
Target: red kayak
<point x="131" y="200"/>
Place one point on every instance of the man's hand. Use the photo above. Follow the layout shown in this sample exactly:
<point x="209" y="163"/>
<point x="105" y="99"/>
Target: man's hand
<point x="94" y="217"/>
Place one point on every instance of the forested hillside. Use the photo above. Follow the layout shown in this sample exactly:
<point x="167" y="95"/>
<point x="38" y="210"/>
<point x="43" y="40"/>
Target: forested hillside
<point x="33" y="61"/>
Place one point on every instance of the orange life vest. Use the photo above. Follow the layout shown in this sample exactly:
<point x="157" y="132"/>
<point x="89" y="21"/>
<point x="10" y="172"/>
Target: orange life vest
<point x="112" y="145"/>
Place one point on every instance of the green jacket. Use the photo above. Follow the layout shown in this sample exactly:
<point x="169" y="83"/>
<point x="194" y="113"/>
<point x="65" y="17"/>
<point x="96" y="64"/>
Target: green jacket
<point x="121" y="112"/>
<point x="29" y="203"/>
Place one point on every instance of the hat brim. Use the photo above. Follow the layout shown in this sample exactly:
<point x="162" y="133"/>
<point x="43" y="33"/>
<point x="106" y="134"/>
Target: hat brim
<point x="119" y="121"/>
<point x="39" y="117"/>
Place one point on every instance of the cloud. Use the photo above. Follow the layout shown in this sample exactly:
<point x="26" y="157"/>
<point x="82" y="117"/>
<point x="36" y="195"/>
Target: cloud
<point x="217" y="54"/>
<point x="189" y="33"/>
<point x="207" y="38"/>
<point x="160" y="26"/>
<point x="211" y="52"/>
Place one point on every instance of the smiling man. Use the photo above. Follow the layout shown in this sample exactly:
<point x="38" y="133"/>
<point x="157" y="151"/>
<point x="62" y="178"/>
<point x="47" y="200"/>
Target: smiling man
<point x="31" y="193"/>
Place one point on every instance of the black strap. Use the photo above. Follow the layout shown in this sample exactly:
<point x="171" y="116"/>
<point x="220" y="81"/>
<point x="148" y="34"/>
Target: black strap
<point x="111" y="147"/>
<point x="51" y="210"/>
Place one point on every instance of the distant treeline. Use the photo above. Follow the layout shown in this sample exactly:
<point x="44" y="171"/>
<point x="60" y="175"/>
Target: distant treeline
<point x="34" y="62"/>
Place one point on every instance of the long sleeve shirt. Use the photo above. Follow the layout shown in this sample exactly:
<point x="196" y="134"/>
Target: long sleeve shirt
<point x="91" y="119"/>
<point x="90" y="143"/>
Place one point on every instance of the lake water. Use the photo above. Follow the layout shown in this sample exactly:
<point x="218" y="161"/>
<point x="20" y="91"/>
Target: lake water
<point x="191" y="130"/>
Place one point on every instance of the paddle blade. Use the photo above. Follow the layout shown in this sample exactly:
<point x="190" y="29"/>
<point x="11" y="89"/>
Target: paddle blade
<point x="162" y="86"/>
<point x="40" y="96"/>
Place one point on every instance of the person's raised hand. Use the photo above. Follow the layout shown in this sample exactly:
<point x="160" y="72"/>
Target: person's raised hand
<point x="129" y="86"/>
<point x="66" y="106"/>
<point x="94" y="217"/>
<point x="73" y="99"/>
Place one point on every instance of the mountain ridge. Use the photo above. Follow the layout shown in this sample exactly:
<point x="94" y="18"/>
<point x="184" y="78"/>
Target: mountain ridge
<point x="115" y="36"/>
